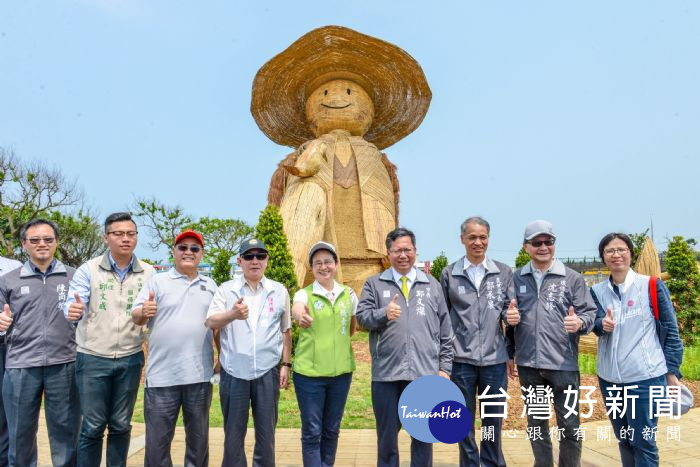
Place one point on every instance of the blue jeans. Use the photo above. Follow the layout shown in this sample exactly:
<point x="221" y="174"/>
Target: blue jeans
<point x="472" y="381"/>
<point x="569" y="446"/>
<point x="321" y="403"/>
<point x="161" y="407"/>
<point x="22" y="391"/>
<point x="385" y="402"/>
<point x="238" y="396"/>
<point x="108" y="388"/>
<point x="636" y="451"/>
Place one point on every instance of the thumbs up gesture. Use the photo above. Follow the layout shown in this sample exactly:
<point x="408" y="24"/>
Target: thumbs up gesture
<point x="76" y="309"/>
<point x="239" y="310"/>
<point x="609" y="322"/>
<point x="149" y="306"/>
<point x="513" y="314"/>
<point x="572" y="323"/>
<point x="5" y="318"/>
<point x="305" y="320"/>
<point x="393" y="310"/>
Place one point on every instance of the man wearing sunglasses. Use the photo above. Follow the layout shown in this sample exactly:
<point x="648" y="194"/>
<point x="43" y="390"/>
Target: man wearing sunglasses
<point x="180" y="354"/>
<point x="40" y="351"/>
<point x="252" y="312"/>
<point x="110" y="355"/>
<point x="555" y="309"/>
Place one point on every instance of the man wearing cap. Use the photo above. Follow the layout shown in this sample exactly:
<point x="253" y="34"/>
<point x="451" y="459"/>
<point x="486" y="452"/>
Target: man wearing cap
<point x="6" y="265"/>
<point x="252" y="312"/>
<point x="110" y="355"/>
<point x="405" y="308"/>
<point x="180" y="354"/>
<point x="479" y="294"/>
<point x="40" y="351"/>
<point x="555" y="308"/>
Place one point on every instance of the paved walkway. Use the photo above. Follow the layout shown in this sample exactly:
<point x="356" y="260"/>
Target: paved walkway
<point x="358" y="447"/>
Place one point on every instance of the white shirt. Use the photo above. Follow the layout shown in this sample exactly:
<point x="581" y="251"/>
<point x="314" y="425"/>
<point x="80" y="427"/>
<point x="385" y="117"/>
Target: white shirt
<point x="411" y="276"/>
<point x="332" y="295"/>
<point x="476" y="272"/>
<point x="539" y="275"/>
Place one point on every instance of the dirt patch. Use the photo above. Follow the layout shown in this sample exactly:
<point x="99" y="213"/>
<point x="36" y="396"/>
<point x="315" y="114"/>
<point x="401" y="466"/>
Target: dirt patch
<point x="361" y="350"/>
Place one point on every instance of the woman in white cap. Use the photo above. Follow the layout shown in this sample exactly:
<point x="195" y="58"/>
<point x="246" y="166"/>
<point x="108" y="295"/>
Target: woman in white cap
<point x="323" y="361"/>
<point x="639" y="348"/>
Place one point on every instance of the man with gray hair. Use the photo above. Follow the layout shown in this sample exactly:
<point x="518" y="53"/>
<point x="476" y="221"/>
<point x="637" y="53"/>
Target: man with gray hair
<point x="479" y="294"/>
<point x="556" y="308"/>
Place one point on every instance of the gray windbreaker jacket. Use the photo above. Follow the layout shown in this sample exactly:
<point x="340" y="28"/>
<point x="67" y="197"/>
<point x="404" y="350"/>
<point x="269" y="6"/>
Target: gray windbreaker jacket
<point x="39" y="334"/>
<point x="476" y="315"/>
<point x="419" y="342"/>
<point x="540" y="339"/>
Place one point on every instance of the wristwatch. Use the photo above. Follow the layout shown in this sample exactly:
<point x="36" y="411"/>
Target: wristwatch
<point x="287" y="364"/>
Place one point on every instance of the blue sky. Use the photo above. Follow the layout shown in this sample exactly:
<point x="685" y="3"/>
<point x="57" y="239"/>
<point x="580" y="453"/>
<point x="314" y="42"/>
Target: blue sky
<point x="587" y="115"/>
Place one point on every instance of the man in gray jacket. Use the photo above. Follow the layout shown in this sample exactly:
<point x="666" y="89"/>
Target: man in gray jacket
<point x="409" y="336"/>
<point x="40" y="351"/>
<point x="479" y="294"/>
<point x="6" y="265"/>
<point x="555" y="309"/>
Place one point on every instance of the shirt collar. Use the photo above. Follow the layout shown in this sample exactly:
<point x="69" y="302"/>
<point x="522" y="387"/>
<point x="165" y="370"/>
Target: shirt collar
<point x="411" y="275"/>
<point x="117" y="268"/>
<point x="318" y="289"/>
<point x="49" y="269"/>
<point x="174" y="274"/>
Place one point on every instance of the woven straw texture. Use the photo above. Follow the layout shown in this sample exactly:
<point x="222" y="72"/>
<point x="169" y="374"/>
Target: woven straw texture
<point x="392" y="78"/>
<point x="648" y="262"/>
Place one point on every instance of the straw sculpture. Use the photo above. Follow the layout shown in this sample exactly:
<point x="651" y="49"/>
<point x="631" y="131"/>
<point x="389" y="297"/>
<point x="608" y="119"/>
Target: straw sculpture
<point x="338" y="97"/>
<point x="648" y="262"/>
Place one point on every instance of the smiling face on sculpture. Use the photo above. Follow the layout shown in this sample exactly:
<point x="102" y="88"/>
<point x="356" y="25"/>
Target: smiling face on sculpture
<point x="339" y="105"/>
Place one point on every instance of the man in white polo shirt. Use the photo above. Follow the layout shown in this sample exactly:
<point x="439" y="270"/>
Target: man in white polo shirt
<point x="253" y="314"/>
<point x="180" y="354"/>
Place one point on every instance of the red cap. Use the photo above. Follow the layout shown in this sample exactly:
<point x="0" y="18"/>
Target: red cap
<point x="189" y="233"/>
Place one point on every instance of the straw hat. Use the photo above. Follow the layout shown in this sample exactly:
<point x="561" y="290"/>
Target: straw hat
<point x="391" y="77"/>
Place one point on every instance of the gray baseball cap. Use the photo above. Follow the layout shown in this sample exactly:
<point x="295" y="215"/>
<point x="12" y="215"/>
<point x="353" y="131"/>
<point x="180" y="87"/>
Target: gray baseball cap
<point x="322" y="246"/>
<point x="252" y="244"/>
<point x="539" y="227"/>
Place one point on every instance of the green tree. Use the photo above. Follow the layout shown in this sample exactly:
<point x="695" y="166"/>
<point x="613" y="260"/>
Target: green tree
<point x="221" y="271"/>
<point x="222" y="236"/>
<point x="29" y="190"/>
<point x="684" y="286"/>
<point x="438" y="265"/>
<point x="80" y="237"/>
<point x="280" y="266"/>
<point x="162" y="222"/>
<point x="522" y="258"/>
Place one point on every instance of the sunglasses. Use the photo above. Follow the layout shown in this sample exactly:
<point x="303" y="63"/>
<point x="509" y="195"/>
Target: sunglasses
<point x="192" y="248"/>
<point x="539" y="243"/>
<point x="258" y="256"/>
<point x="37" y="240"/>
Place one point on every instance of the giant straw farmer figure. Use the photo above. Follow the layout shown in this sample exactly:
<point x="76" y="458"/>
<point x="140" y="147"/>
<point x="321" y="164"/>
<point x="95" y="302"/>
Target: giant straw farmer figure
<point x="339" y="97"/>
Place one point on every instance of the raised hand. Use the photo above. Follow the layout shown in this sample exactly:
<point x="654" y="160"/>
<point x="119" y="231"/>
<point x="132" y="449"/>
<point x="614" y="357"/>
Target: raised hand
<point x="305" y="320"/>
<point x="239" y="310"/>
<point x="149" y="306"/>
<point x="5" y="318"/>
<point x="609" y="322"/>
<point x="76" y="309"/>
<point x="572" y="323"/>
<point x="513" y="314"/>
<point x="393" y="310"/>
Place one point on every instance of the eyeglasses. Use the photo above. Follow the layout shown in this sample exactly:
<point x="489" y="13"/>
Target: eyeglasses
<point x="539" y="243"/>
<point x="619" y="251"/>
<point x="37" y="240"/>
<point x="192" y="248"/>
<point x="121" y="233"/>
<point x="258" y="256"/>
<point x="402" y="251"/>
<point x="325" y="262"/>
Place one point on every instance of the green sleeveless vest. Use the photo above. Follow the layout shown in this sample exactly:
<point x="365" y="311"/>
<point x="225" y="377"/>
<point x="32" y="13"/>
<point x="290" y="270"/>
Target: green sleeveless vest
<point x="324" y="349"/>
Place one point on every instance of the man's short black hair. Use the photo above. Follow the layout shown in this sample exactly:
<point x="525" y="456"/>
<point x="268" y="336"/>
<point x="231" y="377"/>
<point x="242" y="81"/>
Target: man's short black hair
<point x="397" y="233"/>
<point x="38" y="221"/>
<point x="118" y="217"/>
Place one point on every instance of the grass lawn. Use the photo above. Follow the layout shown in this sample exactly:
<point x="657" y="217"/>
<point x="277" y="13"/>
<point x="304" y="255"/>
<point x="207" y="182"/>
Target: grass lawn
<point x="358" y="411"/>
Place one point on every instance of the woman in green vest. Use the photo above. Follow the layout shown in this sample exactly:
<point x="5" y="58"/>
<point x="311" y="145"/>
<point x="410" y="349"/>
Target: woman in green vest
<point x="323" y="360"/>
